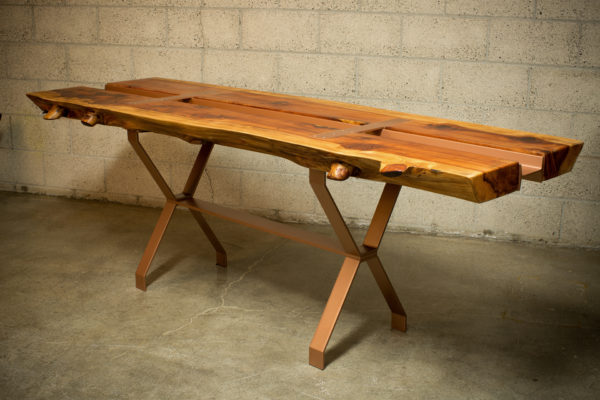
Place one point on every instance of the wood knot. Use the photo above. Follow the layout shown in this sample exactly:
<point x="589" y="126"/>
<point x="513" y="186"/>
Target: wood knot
<point x="55" y="112"/>
<point x="393" y="170"/>
<point x="89" y="119"/>
<point x="340" y="171"/>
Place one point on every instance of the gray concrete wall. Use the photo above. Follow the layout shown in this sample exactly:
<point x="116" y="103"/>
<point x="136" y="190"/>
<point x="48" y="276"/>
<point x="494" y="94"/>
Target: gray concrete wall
<point x="523" y="64"/>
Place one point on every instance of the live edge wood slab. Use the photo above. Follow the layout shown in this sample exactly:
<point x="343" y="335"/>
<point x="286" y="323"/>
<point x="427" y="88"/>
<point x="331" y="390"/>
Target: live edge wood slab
<point x="333" y="140"/>
<point x="469" y="161"/>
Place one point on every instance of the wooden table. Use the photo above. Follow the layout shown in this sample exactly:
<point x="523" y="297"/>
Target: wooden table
<point x="333" y="140"/>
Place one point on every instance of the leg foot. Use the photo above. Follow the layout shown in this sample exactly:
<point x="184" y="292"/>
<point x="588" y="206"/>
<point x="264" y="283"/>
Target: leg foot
<point x="316" y="358"/>
<point x="140" y="282"/>
<point x="399" y="322"/>
<point x="221" y="259"/>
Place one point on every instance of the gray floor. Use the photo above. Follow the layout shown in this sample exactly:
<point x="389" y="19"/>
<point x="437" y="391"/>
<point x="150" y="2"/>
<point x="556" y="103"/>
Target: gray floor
<point x="486" y="319"/>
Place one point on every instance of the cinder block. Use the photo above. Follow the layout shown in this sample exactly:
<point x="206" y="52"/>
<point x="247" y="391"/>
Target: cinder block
<point x="7" y="171"/>
<point x="398" y="78"/>
<point x="519" y="218"/>
<point x="418" y="210"/>
<point x="386" y="104"/>
<point x="538" y="42"/>
<point x="493" y="84"/>
<point x="5" y="139"/>
<point x="504" y="8"/>
<point x="134" y="26"/>
<point x="241" y="3"/>
<point x="106" y="3"/>
<point x="221" y="28"/>
<point x="74" y="172"/>
<point x="3" y="60"/>
<point x="355" y="33"/>
<point x="581" y="224"/>
<point x="225" y="184"/>
<point x="99" y="63"/>
<point x="183" y="64"/>
<point x="45" y="190"/>
<point x="51" y="85"/>
<point x="447" y="37"/>
<point x="566" y="89"/>
<point x="125" y="176"/>
<point x="218" y="185"/>
<point x="99" y="141"/>
<point x="280" y="30"/>
<point x="582" y="183"/>
<point x="586" y="127"/>
<point x="229" y="157"/>
<point x="35" y="133"/>
<point x="180" y="172"/>
<point x="251" y="70"/>
<point x="65" y="24"/>
<point x="405" y="6"/>
<point x="168" y="149"/>
<point x="274" y="191"/>
<point x="185" y="27"/>
<point x="572" y="9"/>
<point x="356" y="198"/>
<point x="317" y="74"/>
<point x="36" y="61"/>
<point x="151" y="201"/>
<point x="16" y="23"/>
<point x="28" y="167"/>
<point x="320" y="4"/>
<point x="546" y="122"/>
<point x="13" y="99"/>
<point x="590" y="44"/>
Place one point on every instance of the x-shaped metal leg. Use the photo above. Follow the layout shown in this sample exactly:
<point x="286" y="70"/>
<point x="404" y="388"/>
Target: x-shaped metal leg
<point x="352" y="261"/>
<point x="347" y="246"/>
<point x="167" y="212"/>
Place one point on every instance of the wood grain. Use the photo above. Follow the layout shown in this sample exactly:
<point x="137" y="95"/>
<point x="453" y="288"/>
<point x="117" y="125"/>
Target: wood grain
<point x="468" y="161"/>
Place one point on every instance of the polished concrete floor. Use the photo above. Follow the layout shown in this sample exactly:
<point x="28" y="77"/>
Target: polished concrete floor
<point x="487" y="320"/>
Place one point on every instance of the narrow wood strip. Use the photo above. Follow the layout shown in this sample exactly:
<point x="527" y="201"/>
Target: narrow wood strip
<point x="529" y="163"/>
<point x="366" y="129"/>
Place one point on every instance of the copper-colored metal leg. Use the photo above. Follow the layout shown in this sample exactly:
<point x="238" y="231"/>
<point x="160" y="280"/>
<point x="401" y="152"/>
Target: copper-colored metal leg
<point x="398" y="313"/>
<point x="316" y="351"/>
<point x="188" y="191"/>
<point x="157" y="234"/>
<point x="221" y="255"/>
<point x="330" y="315"/>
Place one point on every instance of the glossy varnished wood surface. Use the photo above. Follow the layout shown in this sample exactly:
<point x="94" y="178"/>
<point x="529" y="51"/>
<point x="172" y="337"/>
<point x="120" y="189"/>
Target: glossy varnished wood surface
<point x="464" y="160"/>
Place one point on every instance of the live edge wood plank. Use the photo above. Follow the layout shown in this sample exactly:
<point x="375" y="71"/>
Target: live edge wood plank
<point x="468" y="161"/>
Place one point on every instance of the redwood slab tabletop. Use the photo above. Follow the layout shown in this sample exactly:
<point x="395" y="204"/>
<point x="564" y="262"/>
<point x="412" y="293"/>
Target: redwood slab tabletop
<point x="460" y="159"/>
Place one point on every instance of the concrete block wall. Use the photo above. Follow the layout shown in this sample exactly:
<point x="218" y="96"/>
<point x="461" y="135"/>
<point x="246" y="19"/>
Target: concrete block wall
<point x="523" y="64"/>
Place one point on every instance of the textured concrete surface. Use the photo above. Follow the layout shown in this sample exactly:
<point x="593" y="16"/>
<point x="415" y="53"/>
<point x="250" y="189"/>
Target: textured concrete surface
<point x="487" y="320"/>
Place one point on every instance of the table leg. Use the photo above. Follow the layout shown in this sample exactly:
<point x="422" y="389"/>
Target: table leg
<point x="316" y="352"/>
<point x="188" y="192"/>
